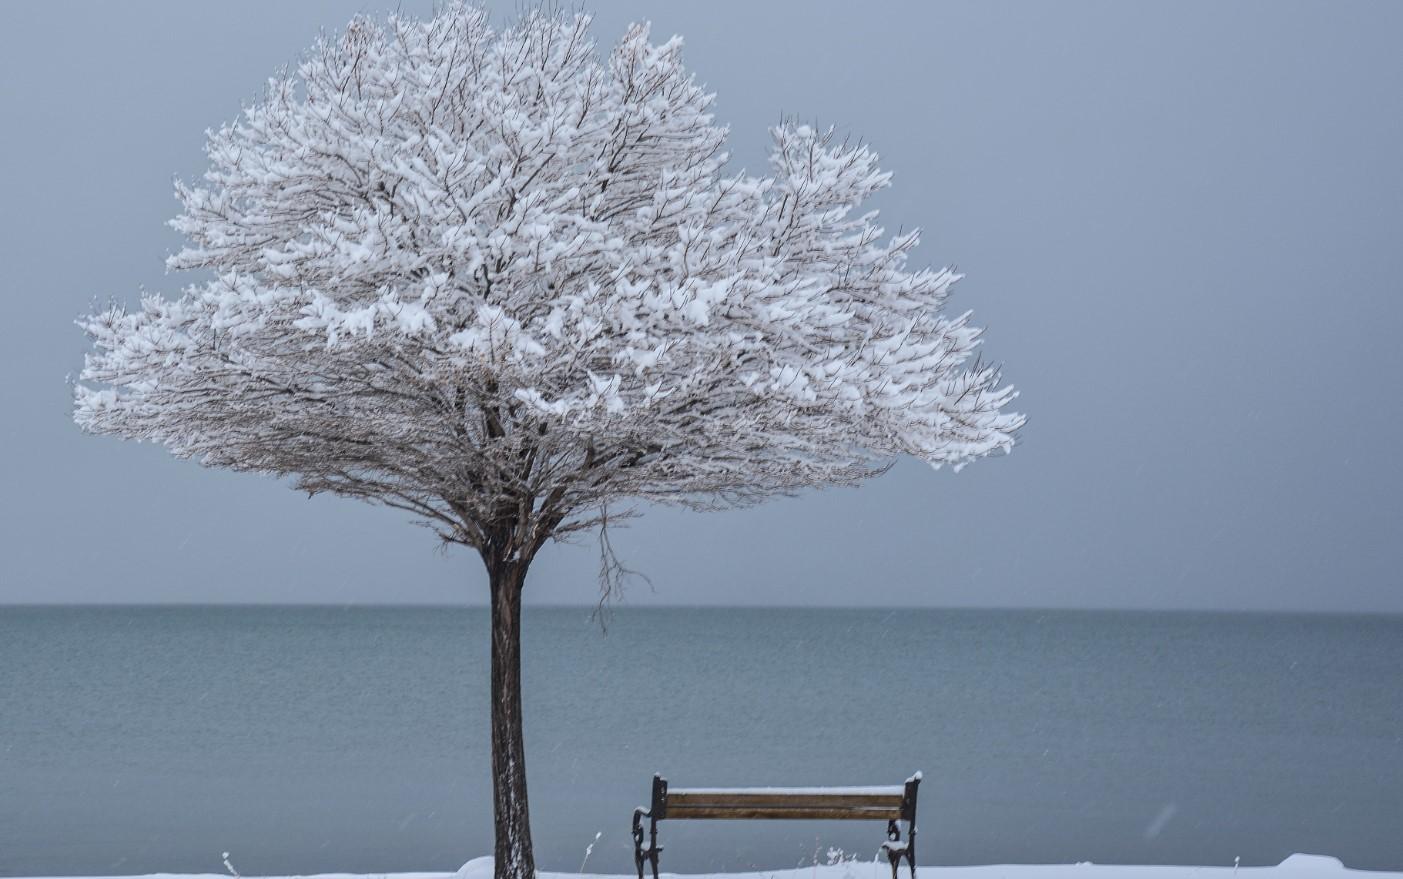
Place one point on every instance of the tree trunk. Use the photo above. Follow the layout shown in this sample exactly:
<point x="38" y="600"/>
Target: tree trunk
<point x="512" y="849"/>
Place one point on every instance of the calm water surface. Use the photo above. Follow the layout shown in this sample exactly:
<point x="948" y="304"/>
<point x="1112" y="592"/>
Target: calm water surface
<point x="137" y="740"/>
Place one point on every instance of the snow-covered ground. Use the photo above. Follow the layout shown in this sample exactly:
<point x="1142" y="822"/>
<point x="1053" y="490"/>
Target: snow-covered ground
<point x="1294" y="867"/>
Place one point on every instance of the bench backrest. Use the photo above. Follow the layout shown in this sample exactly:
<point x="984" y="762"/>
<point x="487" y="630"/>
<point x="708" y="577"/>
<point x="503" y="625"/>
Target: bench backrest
<point x="813" y="803"/>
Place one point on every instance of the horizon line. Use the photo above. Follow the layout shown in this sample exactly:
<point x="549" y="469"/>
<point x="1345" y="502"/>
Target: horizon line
<point x="593" y="607"/>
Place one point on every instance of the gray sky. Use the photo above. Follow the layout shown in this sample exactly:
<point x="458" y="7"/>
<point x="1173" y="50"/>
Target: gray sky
<point x="1180" y="223"/>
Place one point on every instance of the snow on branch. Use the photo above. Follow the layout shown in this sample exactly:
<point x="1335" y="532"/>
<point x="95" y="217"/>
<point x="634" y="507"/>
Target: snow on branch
<point x="497" y="280"/>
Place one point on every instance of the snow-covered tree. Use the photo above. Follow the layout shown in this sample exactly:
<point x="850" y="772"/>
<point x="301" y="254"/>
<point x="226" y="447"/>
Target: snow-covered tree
<point x="500" y="282"/>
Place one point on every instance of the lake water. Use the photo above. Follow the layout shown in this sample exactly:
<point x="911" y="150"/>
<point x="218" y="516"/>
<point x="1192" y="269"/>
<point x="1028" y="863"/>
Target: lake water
<point x="317" y="739"/>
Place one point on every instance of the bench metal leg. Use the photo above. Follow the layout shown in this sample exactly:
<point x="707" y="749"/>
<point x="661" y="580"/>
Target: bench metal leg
<point x="649" y="851"/>
<point x="908" y="799"/>
<point x="893" y="846"/>
<point x="638" y="840"/>
<point x="898" y="851"/>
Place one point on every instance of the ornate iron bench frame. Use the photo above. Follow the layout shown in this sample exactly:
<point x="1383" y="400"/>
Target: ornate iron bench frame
<point x="892" y="804"/>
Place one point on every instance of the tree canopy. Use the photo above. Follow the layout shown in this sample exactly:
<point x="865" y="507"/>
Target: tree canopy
<point x="495" y="279"/>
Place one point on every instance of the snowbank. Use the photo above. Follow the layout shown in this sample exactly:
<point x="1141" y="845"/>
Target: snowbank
<point x="1294" y="867"/>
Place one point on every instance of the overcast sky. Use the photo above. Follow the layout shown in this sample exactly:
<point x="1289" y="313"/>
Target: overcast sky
<point x="1182" y="225"/>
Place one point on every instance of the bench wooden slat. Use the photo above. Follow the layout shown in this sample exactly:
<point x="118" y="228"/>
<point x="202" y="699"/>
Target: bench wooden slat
<point x="831" y="813"/>
<point x="885" y="790"/>
<point x="765" y="798"/>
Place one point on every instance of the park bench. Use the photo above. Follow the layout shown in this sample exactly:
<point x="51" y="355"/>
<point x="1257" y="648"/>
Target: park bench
<point x="890" y="804"/>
